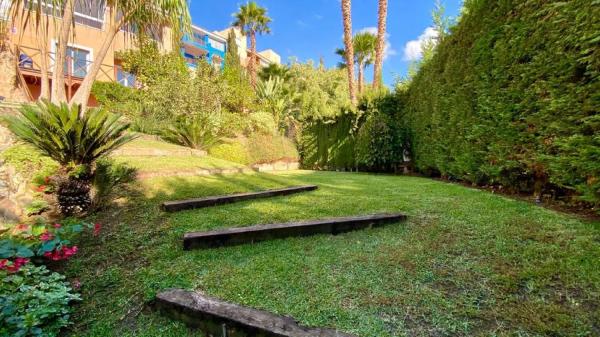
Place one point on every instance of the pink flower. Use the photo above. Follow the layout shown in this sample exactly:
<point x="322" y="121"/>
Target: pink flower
<point x="97" y="228"/>
<point x="16" y="265"/>
<point x="56" y="225"/>
<point x="46" y="236"/>
<point x="76" y="284"/>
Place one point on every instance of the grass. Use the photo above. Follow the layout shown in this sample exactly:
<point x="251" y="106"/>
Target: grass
<point x="466" y="263"/>
<point x="146" y="142"/>
<point x="164" y="163"/>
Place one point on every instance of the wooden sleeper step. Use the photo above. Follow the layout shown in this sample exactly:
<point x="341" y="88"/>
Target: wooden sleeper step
<point x="220" y="318"/>
<point x="179" y="205"/>
<point x="241" y="235"/>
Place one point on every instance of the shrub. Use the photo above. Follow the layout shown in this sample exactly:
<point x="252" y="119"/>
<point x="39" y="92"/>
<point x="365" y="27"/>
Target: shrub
<point x="270" y="148"/>
<point x="232" y="150"/>
<point x="511" y="97"/>
<point x="72" y="139"/>
<point x="256" y="149"/>
<point x="29" y="162"/>
<point x="34" y="302"/>
<point x="110" y="178"/>
<point x="197" y="132"/>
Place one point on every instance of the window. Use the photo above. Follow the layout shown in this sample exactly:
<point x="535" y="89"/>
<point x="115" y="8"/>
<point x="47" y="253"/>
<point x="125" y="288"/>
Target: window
<point x="77" y="61"/>
<point x="125" y="78"/>
<point x="87" y="12"/>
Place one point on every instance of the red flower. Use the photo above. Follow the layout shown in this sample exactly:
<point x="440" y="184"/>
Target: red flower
<point x="16" y="265"/>
<point x="63" y="253"/>
<point x="22" y="227"/>
<point x="3" y="263"/>
<point x="97" y="228"/>
<point x="46" y="236"/>
<point x="41" y="188"/>
<point x="56" y="225"/>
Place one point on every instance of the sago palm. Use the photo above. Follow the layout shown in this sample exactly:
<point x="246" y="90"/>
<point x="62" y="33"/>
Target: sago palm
<point x="74" y="140"/>
<point x="252" y="19"/>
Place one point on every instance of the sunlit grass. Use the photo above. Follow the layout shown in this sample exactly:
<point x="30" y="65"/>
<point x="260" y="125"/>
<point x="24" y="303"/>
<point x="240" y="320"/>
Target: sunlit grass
<point x="466" y="262"/>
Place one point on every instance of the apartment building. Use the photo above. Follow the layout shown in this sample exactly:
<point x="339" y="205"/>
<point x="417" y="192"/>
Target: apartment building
<point x="91" y="26"/>
<point x="88" y="34"/>
<point x="203" y="45"/>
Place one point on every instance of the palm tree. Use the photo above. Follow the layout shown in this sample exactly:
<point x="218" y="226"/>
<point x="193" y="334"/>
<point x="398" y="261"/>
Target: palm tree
<point x="143" y="14"/>
<point x="72" y="139"/>
<point x="349" y="50"/>
<point x="364" y="44"/>
<point x="381" y="23"/>
<point x="252" y="19"/>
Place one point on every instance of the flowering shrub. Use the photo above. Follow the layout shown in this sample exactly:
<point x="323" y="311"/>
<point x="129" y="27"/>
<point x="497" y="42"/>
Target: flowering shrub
<point x="34" y="302"/>
<point x="40" y="240"/>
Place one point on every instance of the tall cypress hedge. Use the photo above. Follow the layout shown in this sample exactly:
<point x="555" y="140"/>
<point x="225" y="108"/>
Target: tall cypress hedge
<point x="512" y="97"/>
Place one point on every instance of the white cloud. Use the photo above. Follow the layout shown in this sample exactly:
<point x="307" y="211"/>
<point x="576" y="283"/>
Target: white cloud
<point x="387" y="49"/>
<point x="413" y="50"/>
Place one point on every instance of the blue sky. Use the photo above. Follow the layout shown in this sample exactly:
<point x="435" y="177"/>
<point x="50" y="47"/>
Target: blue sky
<point x="310" y="29"/>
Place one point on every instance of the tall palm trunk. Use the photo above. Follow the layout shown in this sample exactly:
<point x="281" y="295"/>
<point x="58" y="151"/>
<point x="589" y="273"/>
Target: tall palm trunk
<point x="381" y="24"/>
<point x="347" y="20"/>
<point x="44" y="65"/>
<point x="361" y="76"/>
<point x="58" y="76"/>
<point x="252" y="64"/>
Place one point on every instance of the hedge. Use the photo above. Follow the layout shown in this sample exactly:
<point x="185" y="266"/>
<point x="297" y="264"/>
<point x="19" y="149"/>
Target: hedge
<point x="511" y="96"/>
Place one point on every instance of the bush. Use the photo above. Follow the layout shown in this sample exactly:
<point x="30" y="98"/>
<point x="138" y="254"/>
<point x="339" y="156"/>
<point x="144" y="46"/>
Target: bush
<point x="232" y="151"/>
<point x="511" y="97"/>
<point x="197" y="132"/>
<point x="256" y="149"/>
<point x="270" y="148"/>
<point x="29" y="162"/>
<point x="34" y="302"/>
<point x="110" y="178"/>
<point x="72" y="139"/>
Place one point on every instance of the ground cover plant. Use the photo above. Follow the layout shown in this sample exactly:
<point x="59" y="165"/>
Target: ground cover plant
<point x="466" y="263"/>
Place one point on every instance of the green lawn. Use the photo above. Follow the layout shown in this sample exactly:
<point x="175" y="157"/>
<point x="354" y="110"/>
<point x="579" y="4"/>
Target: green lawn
<point x="164" y="163"/>
<point x="466" y="263"/>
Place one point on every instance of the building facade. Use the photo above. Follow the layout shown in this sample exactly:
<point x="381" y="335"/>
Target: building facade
<point x="203" y="45"/>
<point x="91" y="27"/>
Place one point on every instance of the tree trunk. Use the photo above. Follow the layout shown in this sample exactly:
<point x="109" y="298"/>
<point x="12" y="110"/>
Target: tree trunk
<point x="381" y="25"/>
<point x="361" y="77"/>
<point x="58" y="76"/>
<point x="83" y="92"/>
<point x="347" y="20"/>
<point x="252" y="64"/>
<point x="44" y="67"/>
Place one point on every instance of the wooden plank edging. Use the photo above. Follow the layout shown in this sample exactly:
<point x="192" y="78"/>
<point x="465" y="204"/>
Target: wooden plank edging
<point x="220" y="318"/>
<point x="179" y="205"/>
<point x="241" y="235"/>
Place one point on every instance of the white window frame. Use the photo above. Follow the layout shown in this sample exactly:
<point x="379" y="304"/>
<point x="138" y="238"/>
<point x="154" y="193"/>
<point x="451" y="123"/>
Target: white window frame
<point x="89" y="59"/>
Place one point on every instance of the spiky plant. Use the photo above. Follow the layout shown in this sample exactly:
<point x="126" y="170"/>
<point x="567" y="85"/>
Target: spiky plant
<point x="74" y="140"/>
<point x="197" y="132"/>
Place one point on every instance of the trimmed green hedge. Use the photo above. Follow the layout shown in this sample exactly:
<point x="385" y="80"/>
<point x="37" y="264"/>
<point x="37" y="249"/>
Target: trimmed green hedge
<point x="512" y="97"/>
<point x="256" y="149"/>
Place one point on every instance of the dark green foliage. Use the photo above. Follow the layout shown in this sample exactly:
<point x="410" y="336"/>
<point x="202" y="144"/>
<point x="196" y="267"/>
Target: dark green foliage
<point x="72" y="139"/>
<point x="115" y="97"/>
<point x="66" y="135"/>
<point x="381" y="140"/>
<point x="197" y="132"/>
<point x="110" y="179"/>
<point x="34" y="302"/>
<point x="256" y="149"/>
<point x="511" y="96"/>
<point x="329" y="144"/>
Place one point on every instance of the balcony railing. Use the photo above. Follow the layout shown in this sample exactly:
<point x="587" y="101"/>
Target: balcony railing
<point x="29" y="61"/>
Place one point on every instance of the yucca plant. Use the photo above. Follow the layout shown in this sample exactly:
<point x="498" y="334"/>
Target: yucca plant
<point x="74" y="140"/>
<point x="197" y="132"/>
